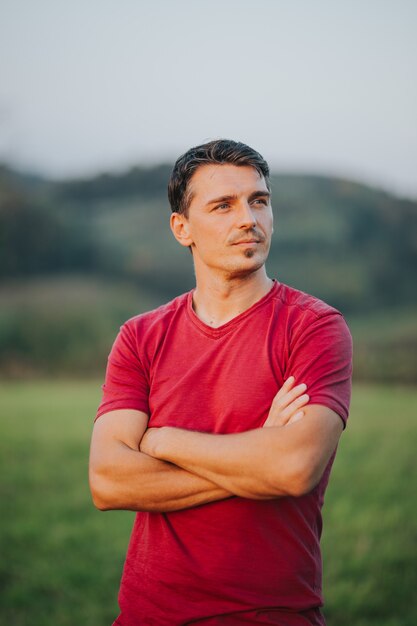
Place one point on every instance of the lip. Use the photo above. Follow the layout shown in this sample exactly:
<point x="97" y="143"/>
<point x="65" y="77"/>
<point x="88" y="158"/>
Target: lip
<point x="247" y="242"/>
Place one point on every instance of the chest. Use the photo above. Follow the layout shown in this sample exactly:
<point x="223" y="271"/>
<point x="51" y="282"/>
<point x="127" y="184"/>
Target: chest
<point x="221" y="385"/>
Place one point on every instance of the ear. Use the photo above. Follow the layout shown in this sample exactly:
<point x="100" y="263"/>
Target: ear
<point x="181" y="229"/>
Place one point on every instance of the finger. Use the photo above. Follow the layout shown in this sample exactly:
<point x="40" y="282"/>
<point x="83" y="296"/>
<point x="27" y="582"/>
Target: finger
<point x="298" y="416"/>
<point x="289" y="396"/>
<point x="285" y="415"/>
<point x="286" y="387"/>
<point x="295" y="405"/>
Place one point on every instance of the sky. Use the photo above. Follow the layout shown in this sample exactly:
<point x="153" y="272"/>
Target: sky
<point x="323" y="86"/>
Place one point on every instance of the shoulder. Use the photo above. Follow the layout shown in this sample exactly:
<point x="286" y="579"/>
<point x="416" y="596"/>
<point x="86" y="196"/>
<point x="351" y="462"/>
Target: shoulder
<point x="302" y="303"/>
<point x="155" y="322"/>
<point x="304" y="315"/>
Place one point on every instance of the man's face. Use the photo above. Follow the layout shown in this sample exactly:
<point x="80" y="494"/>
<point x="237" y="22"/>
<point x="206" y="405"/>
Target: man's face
<point x="229" y="223"/>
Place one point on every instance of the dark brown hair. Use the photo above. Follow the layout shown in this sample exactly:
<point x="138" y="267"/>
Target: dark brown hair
<point x="219" y="151"/>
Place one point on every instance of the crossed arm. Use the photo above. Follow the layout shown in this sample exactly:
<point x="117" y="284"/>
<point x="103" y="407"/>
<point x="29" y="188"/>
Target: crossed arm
<point x="166" y="469"/>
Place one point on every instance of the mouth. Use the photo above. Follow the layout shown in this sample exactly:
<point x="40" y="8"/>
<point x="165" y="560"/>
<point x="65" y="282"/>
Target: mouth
<point x="246" y="242"/>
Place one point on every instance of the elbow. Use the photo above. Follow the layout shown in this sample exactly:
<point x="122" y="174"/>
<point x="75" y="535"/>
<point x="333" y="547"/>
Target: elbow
<point x="301" y="485"/>
<point x="99" y="502"/>
<point x="99" y="494"/>
<point x="299" y="480"/>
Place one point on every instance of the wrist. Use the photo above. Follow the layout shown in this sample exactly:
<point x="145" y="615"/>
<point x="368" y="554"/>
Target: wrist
<point x="152" y="442"/>
<point x="160" y="448"/>
<point x="169" y="441"/>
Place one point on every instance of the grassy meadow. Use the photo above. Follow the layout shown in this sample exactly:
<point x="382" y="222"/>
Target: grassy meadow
<point x="61" y="559"/>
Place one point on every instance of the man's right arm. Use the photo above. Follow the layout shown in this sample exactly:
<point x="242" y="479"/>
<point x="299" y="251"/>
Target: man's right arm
<point x="122" y="477"/>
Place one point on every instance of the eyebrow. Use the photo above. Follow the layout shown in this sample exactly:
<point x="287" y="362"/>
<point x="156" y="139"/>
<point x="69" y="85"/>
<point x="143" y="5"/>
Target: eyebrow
<point x="228" y="198"/>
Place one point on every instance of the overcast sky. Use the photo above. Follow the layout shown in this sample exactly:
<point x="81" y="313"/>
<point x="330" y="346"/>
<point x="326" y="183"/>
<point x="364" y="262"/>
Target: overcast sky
<point x="322" y="86"/>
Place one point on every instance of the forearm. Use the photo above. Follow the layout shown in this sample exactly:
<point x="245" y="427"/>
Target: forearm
<point x="262" y="463"/>
<point x="132" y="480"/>
<point x="247" y="464"/>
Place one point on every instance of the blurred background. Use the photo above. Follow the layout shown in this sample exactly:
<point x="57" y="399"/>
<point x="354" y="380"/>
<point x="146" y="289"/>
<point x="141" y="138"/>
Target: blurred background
<point x="97" y="100"/>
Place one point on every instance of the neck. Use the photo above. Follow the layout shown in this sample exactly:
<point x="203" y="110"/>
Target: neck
<point x="217" y="301"/>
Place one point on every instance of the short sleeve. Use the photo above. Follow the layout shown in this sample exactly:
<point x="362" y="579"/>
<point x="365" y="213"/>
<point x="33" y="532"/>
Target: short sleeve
<point x="126" y="384"/>
<point x="321" y="357"/>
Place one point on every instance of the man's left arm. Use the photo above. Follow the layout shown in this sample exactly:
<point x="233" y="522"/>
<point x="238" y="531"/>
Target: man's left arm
<point x="263" y="463"/>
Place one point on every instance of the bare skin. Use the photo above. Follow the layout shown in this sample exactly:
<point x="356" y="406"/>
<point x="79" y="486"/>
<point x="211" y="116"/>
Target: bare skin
<point x="229" y="238"/>
<point x="260" y="464"/>
<point x="228" y="229"/>
<point x="122" y="477"/>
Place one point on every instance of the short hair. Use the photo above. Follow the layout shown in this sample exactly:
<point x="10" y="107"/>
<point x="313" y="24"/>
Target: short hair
<point x="219" y="151"/>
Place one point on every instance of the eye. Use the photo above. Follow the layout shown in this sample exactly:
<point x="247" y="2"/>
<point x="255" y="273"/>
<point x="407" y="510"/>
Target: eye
<point x="221" y="207"/>
<point x="260" y="201"/>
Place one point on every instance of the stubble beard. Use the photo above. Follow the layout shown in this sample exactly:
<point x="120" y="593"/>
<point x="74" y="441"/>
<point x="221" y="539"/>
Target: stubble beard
<point x="241" y="272"/>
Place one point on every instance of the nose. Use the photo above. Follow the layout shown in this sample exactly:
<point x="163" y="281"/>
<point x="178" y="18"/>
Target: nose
<point x="246" y="217"/>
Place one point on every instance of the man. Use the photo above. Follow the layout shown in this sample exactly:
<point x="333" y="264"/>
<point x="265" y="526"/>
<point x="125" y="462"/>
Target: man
<point x="205" y="427"/>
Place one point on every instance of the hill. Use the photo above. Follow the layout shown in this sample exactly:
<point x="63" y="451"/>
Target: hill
<point x="352" y="245"/>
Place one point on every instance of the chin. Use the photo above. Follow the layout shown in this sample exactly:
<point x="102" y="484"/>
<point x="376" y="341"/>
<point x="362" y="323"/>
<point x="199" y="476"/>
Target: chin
<point x="247" y="266"/>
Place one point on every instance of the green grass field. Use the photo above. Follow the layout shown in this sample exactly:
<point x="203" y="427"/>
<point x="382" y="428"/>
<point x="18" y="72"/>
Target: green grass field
<point x="61" y="559"/>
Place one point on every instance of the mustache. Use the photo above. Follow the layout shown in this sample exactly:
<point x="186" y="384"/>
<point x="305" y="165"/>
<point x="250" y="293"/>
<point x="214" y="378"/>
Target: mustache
<point x="249" y="234"/>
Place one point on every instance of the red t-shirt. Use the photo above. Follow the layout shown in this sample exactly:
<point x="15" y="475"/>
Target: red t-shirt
<point x="236" y="561"/>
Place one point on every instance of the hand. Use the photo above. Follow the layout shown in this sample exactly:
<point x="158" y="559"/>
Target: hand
<point x="286" y="407"/>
